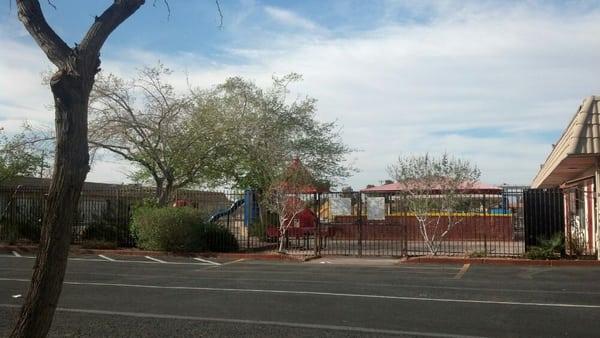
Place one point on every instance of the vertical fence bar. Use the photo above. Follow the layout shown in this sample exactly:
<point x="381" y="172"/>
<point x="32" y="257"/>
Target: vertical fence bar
<point x="360" y="224"/>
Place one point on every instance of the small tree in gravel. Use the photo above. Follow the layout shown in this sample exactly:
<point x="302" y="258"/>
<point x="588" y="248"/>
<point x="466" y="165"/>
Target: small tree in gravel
<point x="434" y="189"/>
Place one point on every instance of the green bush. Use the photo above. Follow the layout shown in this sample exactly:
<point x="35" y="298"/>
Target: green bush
<point x="548" y="249"/>
<point x="218" y="239"/>
<point x="31" y="231"/>
<point x="9" y="232"/>
<point x="104" y="232"/>
<point x="16" y="231"/>
<point x="179" y="229"/>
<point x="98" y="244"/>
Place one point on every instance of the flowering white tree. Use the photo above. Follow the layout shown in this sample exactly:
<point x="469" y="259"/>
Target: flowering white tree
<point x="434" y="191"/>
<point x="285" y="197"/>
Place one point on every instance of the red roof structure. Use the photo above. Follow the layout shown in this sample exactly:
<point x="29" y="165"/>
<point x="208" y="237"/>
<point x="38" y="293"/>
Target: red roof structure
<point x="297" y="170"/>
<point x="477" y="188"/>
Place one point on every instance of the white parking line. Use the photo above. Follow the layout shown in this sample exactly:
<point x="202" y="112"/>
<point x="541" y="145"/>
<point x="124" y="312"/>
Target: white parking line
<point x="256" y="322"/>
<point x="329" y="294"/>
<point x="462" y="271"/>
<point x="155" y="259"/>
<point x="107" y="258"/>
<point x="16" y="254"/>
<point x="206" y="261"/>
<point x="233" y="262"/>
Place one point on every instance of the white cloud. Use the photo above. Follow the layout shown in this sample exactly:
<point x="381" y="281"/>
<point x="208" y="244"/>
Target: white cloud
<point x="521" y="70"/>
<point x="22" y="95"/>
<point x="290" y="18"/>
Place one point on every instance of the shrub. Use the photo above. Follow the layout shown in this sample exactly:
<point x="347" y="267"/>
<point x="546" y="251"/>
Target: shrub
<point x="95" y="244"/>
<point x="548" y="249"/>
<point x="218" y="239"/>
<point x="31" y="231"/>
<point x="109" y="225"/>
<point x="179" y="229"/>
<point x="14" y="231"/>
<point x="9" y="232"/>
<point x="103" y="232"/>
<point x="478" y="254"/>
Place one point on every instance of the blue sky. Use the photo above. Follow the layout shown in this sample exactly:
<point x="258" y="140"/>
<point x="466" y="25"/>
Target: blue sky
<point x="492" y="81"/>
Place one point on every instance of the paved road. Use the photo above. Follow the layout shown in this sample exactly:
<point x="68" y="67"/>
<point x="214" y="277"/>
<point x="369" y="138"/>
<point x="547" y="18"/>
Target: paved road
<point x="138" y="296"/>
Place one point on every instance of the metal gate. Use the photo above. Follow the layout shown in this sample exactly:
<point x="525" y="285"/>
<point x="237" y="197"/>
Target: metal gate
<point x="347" y="229"/>
<point x="543" y="214"/>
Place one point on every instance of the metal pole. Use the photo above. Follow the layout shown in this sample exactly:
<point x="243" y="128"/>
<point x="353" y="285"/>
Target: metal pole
<point x="360" y="225"/>
<point x="317" y="197"/>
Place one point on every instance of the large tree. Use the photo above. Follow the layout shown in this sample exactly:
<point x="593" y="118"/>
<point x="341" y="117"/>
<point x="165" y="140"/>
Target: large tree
<point x="145" y="120"/>
<point x="271" y="130"/>
<point x="71" y="85"/>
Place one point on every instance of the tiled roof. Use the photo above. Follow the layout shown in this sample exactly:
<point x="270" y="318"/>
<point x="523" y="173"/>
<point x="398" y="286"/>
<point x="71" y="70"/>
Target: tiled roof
<point x="580" y="138"/>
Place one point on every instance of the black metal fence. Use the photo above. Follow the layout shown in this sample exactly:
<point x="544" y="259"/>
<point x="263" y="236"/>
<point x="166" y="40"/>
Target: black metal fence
<point x="334" y="223"/>
<point x="382" y="224"/>
<point x="543" y="214"/>
<point x="105" y="214"/>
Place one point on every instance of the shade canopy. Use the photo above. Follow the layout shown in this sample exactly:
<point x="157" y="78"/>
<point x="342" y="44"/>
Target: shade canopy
<point x="476" y="188"/>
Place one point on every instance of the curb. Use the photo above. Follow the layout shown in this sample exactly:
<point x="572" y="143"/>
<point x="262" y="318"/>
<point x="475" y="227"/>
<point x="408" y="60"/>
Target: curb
<point x="135" y="252"/>
<point x="498" y="261"/>
<point x="300" y="258"/>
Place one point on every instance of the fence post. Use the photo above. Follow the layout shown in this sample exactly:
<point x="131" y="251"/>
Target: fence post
<point x="360" y="224"/>
<point x="248" y="209"/>
<point x="317" y="197"/>
<point x="405" y="223"/>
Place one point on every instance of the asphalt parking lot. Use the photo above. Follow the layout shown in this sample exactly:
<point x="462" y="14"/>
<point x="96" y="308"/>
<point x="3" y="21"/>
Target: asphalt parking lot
<point x="131" y="296"/>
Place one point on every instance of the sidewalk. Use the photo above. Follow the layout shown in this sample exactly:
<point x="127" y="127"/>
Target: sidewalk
<point x="499" y="261"/>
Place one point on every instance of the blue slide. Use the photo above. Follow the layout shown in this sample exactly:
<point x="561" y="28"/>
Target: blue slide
<point x="228" y="211"/>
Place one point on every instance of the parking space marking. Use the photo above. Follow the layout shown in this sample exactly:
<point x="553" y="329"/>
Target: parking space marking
<point x="107" y="258"/>
<point x="255" y="322"/>
<point x="155" y="259"/>
<point x="16" y="254"/>
<point x="328" y="294"/>
<point x="206" y="261"/>
<point x="462" y="271"/>
<point x="233" y="262"/>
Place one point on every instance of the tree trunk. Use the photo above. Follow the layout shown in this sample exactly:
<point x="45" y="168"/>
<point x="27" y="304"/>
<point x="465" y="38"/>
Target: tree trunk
<point x="282" y="234"/>
<point x="71" y="92"/>
<point x="164" y="194"/>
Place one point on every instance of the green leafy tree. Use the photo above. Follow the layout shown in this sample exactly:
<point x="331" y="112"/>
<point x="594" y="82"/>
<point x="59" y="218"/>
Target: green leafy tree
<point x="19" y="155"/>
<point x="268" y="130"/>
<point x="172" y="142"/>
<point x="434" y="192"/>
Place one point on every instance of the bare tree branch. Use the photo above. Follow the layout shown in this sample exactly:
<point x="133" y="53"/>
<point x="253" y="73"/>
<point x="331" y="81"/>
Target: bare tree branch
<point x="52" y="4"/>
<point x="166" y="5"/>
<point x="105" y="24"/>
<point x="30" y="14"/>
<point x="220" y="14"/>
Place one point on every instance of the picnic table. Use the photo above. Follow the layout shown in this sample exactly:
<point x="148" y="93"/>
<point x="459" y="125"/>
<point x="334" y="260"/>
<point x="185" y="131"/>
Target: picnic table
<point x="301" y="233"/>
